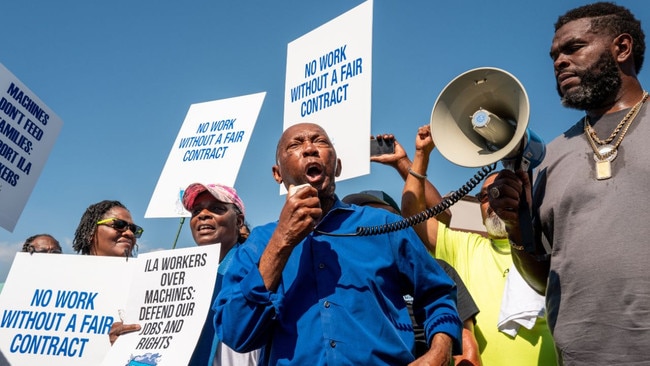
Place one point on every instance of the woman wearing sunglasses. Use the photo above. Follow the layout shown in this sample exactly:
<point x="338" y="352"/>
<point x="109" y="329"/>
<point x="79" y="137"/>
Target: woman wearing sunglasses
<point x="107" y="229"/>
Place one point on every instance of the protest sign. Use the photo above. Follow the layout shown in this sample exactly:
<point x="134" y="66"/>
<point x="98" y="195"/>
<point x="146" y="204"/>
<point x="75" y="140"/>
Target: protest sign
<point x="57" y="309"/>
<point x="61" y="313"/>
<point x="170" y="300"/>
<point x="213" y="138"/>
<point x="328" y="82"/>
<point x="28" y="130"/>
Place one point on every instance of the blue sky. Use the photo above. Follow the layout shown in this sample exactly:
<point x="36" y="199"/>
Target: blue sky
<point x="122" y="75"/>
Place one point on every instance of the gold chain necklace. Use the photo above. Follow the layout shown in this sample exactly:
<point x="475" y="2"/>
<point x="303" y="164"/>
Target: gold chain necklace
<point x="611" y="137"/>
<point x="606" y="153"/>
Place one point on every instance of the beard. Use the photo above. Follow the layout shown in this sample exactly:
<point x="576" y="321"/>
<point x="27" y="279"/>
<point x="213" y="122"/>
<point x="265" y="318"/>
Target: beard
<point x="495" y="227"/>
<point x="598" y="83"/>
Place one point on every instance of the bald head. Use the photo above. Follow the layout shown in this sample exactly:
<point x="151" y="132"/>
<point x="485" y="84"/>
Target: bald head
<point x="305" y="154"/>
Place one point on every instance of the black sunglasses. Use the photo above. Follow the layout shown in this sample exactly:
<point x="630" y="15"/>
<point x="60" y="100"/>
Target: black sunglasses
<point x="121" y="225"/>
<point x="482" y="197"/>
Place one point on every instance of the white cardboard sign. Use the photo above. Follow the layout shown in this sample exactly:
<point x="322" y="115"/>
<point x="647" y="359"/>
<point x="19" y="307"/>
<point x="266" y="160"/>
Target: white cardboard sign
<point x="57" y="309"/>
<point x="209" y="148"/>
<point x="170" y="298"/>
<point x="28" y="130"/>
<point x="328" y="82"/>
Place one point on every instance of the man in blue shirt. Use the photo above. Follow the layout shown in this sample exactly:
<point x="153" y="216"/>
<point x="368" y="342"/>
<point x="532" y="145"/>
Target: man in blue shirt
<point x="311" y="292"/>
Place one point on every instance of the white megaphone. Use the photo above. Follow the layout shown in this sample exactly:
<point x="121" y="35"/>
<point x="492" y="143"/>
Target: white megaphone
<point x="481" y="117"/>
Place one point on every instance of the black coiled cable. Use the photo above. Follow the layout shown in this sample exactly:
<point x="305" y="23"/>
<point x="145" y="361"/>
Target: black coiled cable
<point x="426" y="214"/>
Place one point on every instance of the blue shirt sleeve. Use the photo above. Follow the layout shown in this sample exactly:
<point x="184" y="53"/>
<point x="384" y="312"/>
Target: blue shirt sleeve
<point x="243" y="289"/>
<point x="434" y="292"/>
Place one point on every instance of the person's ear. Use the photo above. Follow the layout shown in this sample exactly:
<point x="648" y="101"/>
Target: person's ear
<point x="338" y="167"/>
<point x="276" y="174"/>
<point x="623" y="47"/>
<point x="93" y="243"/>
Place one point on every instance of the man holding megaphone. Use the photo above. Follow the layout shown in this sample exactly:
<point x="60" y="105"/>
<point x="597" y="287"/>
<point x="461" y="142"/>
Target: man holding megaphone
<point x="589" y="200"/>
<point x="483" y="263"/>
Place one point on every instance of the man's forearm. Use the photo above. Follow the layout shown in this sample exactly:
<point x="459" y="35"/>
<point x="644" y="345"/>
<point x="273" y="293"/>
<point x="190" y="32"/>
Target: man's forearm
<point x="272" y="262"/>
<point x="533" y="269"/>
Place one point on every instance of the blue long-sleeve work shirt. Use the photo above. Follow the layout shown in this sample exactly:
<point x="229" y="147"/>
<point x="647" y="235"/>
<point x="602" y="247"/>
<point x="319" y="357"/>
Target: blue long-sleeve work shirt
<point x="340" y="300"/>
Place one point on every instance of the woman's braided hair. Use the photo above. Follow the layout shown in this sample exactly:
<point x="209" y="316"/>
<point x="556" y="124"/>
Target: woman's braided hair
<point x="84" y="235"/>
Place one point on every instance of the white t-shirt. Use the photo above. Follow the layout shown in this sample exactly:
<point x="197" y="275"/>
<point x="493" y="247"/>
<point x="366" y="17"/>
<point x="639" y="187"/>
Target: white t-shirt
<point x="226" y="356"/>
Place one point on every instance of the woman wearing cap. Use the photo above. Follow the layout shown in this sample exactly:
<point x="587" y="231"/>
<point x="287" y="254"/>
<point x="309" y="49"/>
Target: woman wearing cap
<point x="217" y="215"/>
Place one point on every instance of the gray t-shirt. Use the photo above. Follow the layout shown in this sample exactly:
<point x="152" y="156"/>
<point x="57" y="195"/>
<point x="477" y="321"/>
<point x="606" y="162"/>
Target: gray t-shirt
<point x="598" y="295"/>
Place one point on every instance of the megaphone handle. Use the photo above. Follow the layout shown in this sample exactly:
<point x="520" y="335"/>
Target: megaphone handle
<point x="514" y="164"/>
<point x="526" y="223"/>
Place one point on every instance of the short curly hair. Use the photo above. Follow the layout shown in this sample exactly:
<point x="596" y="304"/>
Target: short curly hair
<point x="611" y="19"/>
<point x="83" y="236"/>
<point x="30" y="240"/>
